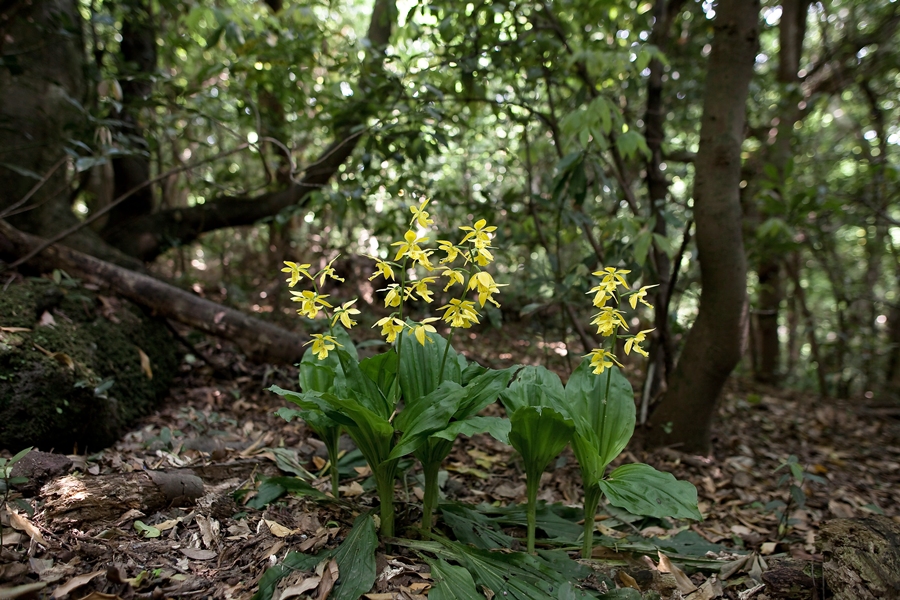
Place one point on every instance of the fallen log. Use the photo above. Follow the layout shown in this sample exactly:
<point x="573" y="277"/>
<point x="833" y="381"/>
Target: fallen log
<point x="258" y="339"/>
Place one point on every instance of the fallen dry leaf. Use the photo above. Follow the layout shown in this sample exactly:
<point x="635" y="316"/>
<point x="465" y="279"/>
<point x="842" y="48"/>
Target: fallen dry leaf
<point x="145" y="364"/>
<point x="74" y="583"/>
<point x="277" y="529"/>
<point x="685" y="585"/>
<point x="101" y="596"/>
<point x="199" y="553"/>
<point x="628" y="581"/>
<point x="23" y="524"/>
<point x="9" y="593"/>
<point x="307" y="585"/>
<point x="711" y="589"/>
<point x="353" y="490"/>
<point x="329" y="577"/>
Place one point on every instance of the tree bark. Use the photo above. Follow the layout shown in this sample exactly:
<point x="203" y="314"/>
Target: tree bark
<point x="714" y="343"/>
<point x="258" y="339"/>
<point x="661" y="348"/>
<point x="769" y="269"/>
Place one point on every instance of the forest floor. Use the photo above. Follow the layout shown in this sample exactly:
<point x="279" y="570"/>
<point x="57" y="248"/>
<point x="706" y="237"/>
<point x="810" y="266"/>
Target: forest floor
<point x="220" y="547"/>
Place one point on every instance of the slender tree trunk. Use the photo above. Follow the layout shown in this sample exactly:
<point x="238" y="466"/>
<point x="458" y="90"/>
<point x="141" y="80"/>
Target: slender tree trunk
<point x="791" y="32"/>
<point x="714" y="343"/>
<point x="661" y="350"/>
<point x="136" y="69"/>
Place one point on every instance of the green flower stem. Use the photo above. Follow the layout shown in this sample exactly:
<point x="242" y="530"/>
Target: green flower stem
<point x="332" y="445"/>
<point x="446" y="352"/>
<point x="592" y="496"/>
<point x="429" y="501"/>
<point x="532" y="482"/>
<point x="384" y="485"/>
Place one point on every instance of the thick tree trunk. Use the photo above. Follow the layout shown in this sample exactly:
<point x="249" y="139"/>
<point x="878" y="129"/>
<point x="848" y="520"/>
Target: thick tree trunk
<point x="42" y="79"/>
<point x="256" y="338"/>
<point x="714" y="343"/>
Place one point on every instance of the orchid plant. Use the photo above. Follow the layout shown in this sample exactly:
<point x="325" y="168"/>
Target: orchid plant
<point x="420" y="394"/>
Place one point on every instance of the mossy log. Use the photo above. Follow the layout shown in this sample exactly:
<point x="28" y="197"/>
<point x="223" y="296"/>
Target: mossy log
<point x="76" y="369"/>
<point x="258" y="339"/>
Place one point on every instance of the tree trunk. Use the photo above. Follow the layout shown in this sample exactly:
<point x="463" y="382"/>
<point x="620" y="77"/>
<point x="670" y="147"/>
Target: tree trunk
<point x="41" y="83"/>
<point x="258" y="339"/>
<point x="791" y="32"/>
<point x="661" y="349"/>
<point x="714" y="343"/>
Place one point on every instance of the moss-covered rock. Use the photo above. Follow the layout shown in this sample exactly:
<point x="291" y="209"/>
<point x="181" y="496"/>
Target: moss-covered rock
<point x="76" y="368"/>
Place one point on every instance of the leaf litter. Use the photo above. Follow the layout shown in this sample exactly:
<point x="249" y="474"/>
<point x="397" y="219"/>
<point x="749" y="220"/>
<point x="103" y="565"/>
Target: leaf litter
<point x="292" y="541"/>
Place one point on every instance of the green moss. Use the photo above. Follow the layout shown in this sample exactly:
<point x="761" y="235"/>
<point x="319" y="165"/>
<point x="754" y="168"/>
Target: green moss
<point x="49" y="395"/>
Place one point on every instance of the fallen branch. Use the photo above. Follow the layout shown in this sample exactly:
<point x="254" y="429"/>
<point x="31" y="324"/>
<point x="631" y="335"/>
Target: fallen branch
<point x="258" y="339"/>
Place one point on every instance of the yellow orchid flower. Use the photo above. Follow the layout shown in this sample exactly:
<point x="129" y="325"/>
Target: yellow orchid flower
<point x="483" y="257"/>
<point x="390" y="327"/>
<point x="613" y="278"/>
<point x="453" y="277"/>
<point x="480" y="233"/>
<point x="345" y="314"/>
<point x="420" y="329"/>
<point x="602" y="360"/>
<point x="328" y="271"/>
<point x="296" y="271"/>
<point x="608" y="320"/>
<point x="633" y="343"/>
<point x="420" y="216"/>
<point x="322" y="344"/>
<point x="382" y="268"/>
<point x="420" y="287"/>
<point x="393" y="298"/>
<point x="310" y="302"/>
<point x="448" y="248"/>
<point x="486" y="287"/>
<point x="460" y="313"/>
<point x="639" y="296"/>
<point x="410" y="245"/>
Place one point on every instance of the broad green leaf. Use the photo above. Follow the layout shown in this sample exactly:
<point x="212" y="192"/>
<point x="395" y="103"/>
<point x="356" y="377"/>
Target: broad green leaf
<point x="362" y="389"/>
<point x="642" y="490"/>
<point x="356" y="560"/>
<point x="382" y="369"/>
<point x="423" y="416"/>
<point x="548" y="521"/>
<point x="509" y="575"/>
<point x="496" y="427"/>
<point x="539" y="434"/>
<point x="273" y="488"/>
<point x="482" y="390"/>
<point x="603" y="425"/>
<point x="371" y="432"/>
<point x="471" y="526"/>
<point x="420" y="365"/>
<point x="452" y="583"/>
<point x="19" y="456"/>
<point x="533" y="386"/>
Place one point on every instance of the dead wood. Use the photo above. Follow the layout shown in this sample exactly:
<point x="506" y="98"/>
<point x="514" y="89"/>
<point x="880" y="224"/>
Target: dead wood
<point x="74" y="500"/>
<point x="862" y="557"/>
<point x="259" y="340"/>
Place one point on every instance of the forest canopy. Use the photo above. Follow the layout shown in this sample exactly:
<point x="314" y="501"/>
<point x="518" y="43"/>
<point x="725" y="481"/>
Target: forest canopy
<point x="740" y="158"/>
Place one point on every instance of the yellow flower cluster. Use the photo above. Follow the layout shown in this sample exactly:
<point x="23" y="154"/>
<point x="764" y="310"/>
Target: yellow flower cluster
<point x="312" y="303"/>
<point x="474" y="249"/>
<point x="610" y="319"/>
